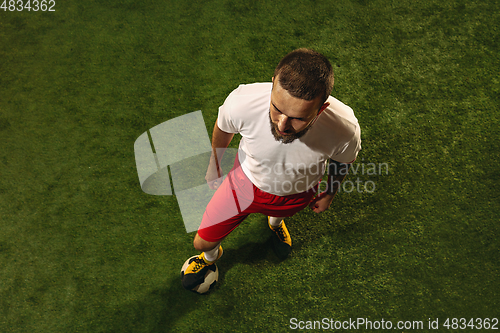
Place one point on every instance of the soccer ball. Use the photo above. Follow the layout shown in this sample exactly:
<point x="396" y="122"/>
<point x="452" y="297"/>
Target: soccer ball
<point x="209" y="280"/>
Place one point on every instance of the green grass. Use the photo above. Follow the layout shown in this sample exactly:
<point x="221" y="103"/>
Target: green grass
<point x="83" y="249"/>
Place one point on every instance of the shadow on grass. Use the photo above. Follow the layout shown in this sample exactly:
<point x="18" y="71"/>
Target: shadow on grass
<point x="160" y="310"/>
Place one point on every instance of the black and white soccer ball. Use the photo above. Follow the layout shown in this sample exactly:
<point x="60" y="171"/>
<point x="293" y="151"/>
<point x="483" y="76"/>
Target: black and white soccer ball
<point x="209" y="280"/>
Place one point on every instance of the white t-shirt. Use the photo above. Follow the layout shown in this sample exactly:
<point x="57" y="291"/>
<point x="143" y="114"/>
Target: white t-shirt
<point x="284" y="169"/>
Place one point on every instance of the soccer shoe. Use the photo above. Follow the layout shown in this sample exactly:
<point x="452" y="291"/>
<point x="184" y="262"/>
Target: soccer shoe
<point x="198" y="267"/>
<point x="282" y="241"/>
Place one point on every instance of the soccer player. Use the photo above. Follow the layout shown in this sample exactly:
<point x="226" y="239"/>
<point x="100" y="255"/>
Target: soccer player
<point x="291" y="130"/>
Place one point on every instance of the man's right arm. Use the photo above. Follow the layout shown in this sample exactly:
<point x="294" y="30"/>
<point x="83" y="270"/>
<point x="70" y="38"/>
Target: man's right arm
<point x="220" y="141"/>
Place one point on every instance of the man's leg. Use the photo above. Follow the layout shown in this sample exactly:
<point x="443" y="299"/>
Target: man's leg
<point x="282" y="241"/>
<point x="282" y="207"/>
<point x="218" y="221"/>
<point x="202" y="245"/>
<point x="210" y="249"/>
<point x="275" y="222"/>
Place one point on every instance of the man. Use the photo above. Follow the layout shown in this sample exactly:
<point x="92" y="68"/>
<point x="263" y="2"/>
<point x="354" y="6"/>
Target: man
<point x="290" y="128"/>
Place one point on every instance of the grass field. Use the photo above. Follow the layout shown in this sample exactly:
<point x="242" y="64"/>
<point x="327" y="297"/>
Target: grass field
<point x="83" y="249"/>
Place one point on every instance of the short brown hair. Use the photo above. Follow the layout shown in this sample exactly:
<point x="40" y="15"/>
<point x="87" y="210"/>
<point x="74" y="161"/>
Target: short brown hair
<point x="305" y="74"/>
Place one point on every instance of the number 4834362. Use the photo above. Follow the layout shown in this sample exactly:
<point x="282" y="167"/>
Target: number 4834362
<point x="30" y="5"/>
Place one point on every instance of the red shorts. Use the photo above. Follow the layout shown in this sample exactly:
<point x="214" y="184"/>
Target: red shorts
<point x="237" y="197"/>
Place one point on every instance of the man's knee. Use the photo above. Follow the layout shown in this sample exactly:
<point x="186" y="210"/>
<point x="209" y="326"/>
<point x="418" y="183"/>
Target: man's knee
<point x="202" y="245"/>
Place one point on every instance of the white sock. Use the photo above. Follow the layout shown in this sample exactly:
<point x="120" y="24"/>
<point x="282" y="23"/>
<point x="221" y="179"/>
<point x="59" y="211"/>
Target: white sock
<point x="212" y="254"/>
<point x="275" y="221"/>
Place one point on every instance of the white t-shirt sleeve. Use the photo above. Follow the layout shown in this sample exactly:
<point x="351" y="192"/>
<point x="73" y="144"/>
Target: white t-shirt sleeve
<point x="351" y="149"/>
<point x="226" y="120"/>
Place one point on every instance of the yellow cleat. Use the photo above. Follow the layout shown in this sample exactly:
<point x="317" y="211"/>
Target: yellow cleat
<point x="198" y="267"/>
<point x="282" y="241"/>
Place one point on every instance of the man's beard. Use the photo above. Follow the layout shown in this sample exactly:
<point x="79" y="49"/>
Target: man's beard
<point x="286" y="138"/>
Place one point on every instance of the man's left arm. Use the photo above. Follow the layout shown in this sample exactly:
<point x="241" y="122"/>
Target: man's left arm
<point x="336" y="174"/>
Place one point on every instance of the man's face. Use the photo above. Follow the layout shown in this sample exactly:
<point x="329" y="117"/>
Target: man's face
<point x="291" y="117"/>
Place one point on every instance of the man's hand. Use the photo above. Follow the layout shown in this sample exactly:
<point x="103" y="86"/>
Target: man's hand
<point x="337" y="173"/>
<point x="321" y="202"/>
